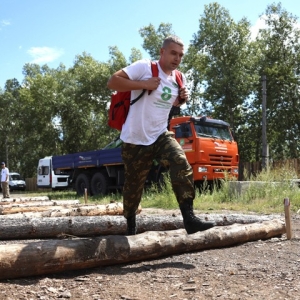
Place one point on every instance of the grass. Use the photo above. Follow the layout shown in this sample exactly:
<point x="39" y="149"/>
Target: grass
<point x="264" y="194"/>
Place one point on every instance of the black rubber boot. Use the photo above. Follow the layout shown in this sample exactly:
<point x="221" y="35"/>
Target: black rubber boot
<point x="131" y="226"/>
<point x="191" y="223"/>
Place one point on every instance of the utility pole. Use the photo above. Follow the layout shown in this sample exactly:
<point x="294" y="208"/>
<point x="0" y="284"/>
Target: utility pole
<point x="265" y="148"/>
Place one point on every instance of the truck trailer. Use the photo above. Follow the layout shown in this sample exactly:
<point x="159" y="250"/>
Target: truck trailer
<point x="208" y="144"/>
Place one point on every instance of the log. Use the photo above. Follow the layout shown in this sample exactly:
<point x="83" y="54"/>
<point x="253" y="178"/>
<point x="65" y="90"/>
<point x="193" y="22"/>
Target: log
<point x="35" y="228"/>
<point x="36" y="207"/>
<point x="54" y="256"/>
<point x="23" y="199"/>
<point x="41" y="203"/>
<point x="26" y="209"/>
<point x="66" y="210"/>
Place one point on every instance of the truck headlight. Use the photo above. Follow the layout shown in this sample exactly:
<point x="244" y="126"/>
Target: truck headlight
<point x="235" y="171"/>
<point x="202" y="169"/>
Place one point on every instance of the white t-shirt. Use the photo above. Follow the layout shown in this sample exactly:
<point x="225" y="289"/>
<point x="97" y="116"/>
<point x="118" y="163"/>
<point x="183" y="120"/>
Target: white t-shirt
<point x="148" y="117"/>
<point x="4" y="173"/>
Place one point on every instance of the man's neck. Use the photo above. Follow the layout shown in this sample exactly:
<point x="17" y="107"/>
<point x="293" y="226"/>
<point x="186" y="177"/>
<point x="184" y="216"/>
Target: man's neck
<point x="168" y="72"/>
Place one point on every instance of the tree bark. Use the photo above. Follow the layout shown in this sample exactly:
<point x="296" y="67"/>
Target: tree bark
<point x="14" y="208"/>
<point x="79" y="226"/>
<point x="53" y="256"/>
<point x="40" y="203"/>
<point x="66" y="210"/>
<point x="23" y="199"/>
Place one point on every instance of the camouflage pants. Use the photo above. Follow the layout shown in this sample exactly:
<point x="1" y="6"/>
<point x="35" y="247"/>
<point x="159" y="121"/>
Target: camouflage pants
<point x="138" y="160"/>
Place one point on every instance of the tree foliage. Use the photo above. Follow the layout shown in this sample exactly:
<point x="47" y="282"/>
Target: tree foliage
<point x="280" y="63"/>
<point x="153" y="38"/>
<point x="226" y="60"/>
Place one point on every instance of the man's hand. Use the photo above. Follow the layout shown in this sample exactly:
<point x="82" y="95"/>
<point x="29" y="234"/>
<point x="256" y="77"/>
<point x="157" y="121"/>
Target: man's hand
<point x="184" y="94"/>
<point x="183" y="97"/>
<point x="152" y="83"/>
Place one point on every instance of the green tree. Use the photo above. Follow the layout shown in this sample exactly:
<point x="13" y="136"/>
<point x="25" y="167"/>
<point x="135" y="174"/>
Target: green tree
<point x="221" y="63"/>
<point x="153" y="38"/>
<point x="36" y="110"/>
<point x="83" y="112"/>
<point x="9" y="124"/>
<point x="224" y="53"/>
<point x="280" y="61"/>
<point x="135" y="55"/>
<point x="194" y="66"/>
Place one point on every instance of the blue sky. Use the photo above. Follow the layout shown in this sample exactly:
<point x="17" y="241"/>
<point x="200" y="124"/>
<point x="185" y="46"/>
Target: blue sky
<point x="55" y="31"/>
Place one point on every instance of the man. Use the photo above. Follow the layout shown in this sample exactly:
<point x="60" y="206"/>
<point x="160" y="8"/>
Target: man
<point x="145" y="136"/>
<point x="4" y="180"/>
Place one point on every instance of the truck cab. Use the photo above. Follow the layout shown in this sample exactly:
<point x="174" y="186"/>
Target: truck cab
<point x="47" y="177"/>
<point x="209" y="147"/>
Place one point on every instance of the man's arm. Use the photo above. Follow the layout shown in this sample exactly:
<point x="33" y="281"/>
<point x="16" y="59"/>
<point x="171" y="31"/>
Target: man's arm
<point x="120" y="81"/>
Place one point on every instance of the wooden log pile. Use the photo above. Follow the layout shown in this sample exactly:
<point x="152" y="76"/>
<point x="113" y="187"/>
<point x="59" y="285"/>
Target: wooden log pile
<point x="53" y="256"/>
<point x="79" y="226"/>
<point x="86" y="236"/>
<point x="61" y="208"/>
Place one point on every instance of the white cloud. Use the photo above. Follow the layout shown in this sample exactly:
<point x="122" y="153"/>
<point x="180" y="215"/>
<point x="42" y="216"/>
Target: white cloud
<point x="43" y="55"/>
<point x="4" y="23"/>
<point x="260" y="24"/>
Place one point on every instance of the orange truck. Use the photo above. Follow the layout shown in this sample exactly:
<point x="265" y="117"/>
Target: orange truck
<point x="209" y="147"/>
<point x="208" y="144"/>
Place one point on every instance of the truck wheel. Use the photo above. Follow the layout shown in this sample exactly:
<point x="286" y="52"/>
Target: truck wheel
<point x="82" y="183"/>
<point x="99" y="184"/>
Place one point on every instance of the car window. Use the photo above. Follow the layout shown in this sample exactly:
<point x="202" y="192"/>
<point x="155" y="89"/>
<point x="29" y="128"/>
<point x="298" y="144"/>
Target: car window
<point x="14" y="177"/>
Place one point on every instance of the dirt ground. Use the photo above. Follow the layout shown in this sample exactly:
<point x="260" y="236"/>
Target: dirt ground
<point x="268" y="269"/>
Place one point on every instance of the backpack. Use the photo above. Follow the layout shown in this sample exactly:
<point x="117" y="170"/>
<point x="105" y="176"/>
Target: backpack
<point x="120" y="101"/>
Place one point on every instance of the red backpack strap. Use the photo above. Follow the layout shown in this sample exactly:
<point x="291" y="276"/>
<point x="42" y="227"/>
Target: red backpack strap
<point x="154" y="70"/>
<point x="179" y="80"/>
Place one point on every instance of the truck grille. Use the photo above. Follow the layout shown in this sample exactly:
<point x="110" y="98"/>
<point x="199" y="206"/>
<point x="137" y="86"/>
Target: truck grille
<point x="220" y="160"/>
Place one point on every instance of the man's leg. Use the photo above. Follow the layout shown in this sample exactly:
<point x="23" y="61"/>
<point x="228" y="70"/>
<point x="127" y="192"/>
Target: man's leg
<point x="137" y="163"/>
<point x="5" y="189"/>
<point x="171" y="155"/>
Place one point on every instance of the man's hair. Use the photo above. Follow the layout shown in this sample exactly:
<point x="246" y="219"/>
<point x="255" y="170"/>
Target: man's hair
<point x="172" y="39"/>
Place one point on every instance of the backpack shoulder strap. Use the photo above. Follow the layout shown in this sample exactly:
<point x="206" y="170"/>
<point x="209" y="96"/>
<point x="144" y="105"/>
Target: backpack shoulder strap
<point x="179" y="80"/>
<point x="154" y="70"/>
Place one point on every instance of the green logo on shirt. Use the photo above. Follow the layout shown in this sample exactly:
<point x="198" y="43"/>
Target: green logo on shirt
<point x="166" y="95"/>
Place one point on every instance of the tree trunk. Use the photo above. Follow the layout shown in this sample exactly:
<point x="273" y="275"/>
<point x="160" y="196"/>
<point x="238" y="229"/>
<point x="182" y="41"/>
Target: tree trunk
<point x="53" y="256"/>
<point x="23" y="199"/>
<point x="33" y="228"/>
<point x="40" y="203"/>
<point x="67" y="210"/>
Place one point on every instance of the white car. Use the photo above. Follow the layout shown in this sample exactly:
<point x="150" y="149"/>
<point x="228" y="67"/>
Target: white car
<point x="16" y="183"/>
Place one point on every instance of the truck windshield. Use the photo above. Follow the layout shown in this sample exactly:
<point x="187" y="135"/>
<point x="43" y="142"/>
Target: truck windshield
<point x="213" y="130"/>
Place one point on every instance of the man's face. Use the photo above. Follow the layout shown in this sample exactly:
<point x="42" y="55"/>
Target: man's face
<point x="3" y="166"/>
<point x="171" y="56"/>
